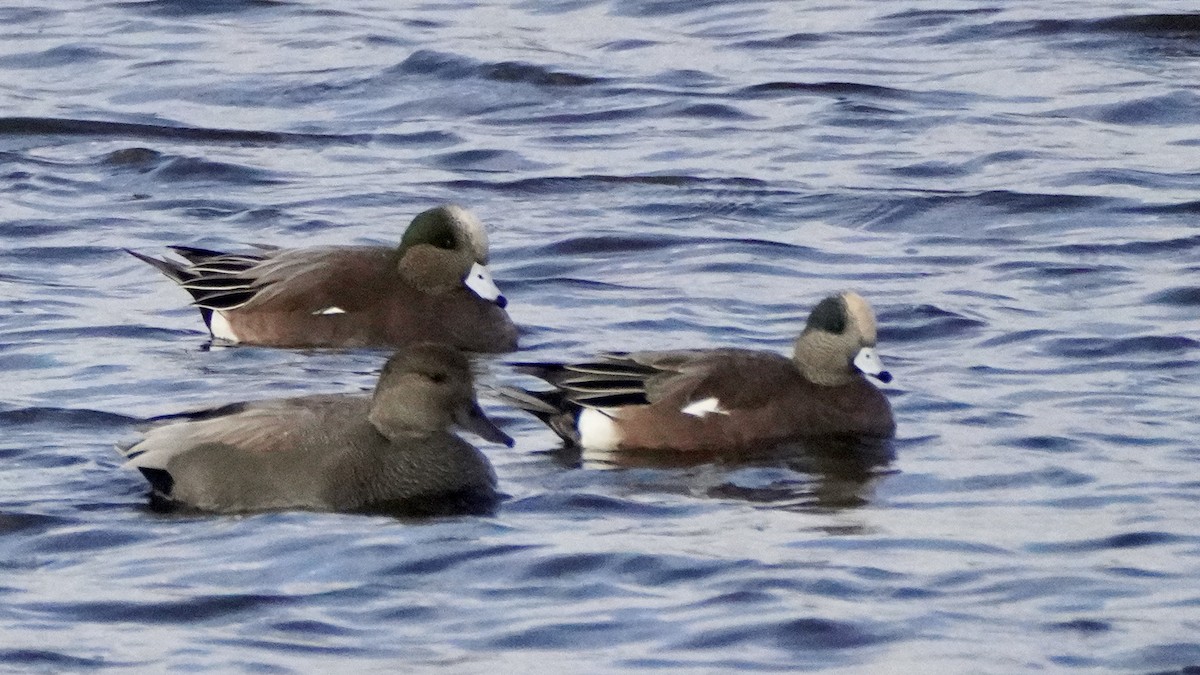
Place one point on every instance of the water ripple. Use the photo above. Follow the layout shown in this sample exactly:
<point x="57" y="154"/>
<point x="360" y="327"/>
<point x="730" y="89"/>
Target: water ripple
<point x="454" y="67"/>
<point x="16" y="126"/>
<point x="1012" y="186"/>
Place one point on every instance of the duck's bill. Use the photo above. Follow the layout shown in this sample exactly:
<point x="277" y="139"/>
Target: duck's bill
<point x="868" y="363"/>
<point x="472" y="419"/>
<point x="479" y="280"/>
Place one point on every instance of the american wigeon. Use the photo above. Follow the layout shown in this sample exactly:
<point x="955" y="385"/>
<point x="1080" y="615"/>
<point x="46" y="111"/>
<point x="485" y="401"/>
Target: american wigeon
<point x="722" y="398"/>
<point x="435" y="286"/>
<point x="392" y="449"/>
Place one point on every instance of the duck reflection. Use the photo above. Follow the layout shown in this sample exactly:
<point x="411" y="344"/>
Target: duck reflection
<point x="838" y="472"/>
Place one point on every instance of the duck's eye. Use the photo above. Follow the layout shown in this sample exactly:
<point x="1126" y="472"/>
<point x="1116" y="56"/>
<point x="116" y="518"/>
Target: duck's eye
<point x="437" y="378"/>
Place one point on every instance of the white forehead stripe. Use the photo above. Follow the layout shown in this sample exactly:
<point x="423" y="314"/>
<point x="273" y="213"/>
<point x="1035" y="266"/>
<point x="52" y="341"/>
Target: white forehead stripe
<point x="860" y="315"/>
<point x="479" y="279"/>
<point x="473" y="227"/>
<point x="704" y="407"/>
<point x="329" y="310"/>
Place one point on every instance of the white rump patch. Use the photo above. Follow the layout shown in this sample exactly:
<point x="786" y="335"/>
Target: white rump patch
<point x="479" y="279"/>
<point x="220" y="328"/>
<point x="329" y="310"/>
<point x="598" y="430"/>
<point x="704" y="407"/>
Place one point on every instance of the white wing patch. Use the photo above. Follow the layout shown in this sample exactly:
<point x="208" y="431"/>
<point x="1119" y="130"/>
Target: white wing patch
<point x="704" y="407"/>
<point x="329" y="310"/>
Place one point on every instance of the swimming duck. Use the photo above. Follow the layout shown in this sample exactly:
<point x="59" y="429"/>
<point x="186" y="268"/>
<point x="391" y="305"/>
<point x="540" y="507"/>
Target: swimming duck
<point x="435" y="286"/>
<point x="722" y="398"/>
<point x="392" y="448"/>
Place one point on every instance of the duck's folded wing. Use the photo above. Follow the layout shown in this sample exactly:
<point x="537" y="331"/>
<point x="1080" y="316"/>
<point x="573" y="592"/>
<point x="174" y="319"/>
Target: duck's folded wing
<point x="262" y="427"/>
<point x="735" y="378"/>
<point x="609" y="381"/>
<point x="717" y="380"/>
<point x="218" y="280"/>
<point x="312" y="280"/>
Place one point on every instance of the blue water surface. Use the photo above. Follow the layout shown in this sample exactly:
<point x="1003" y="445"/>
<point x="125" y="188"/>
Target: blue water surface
<point x="1015" y="186"/>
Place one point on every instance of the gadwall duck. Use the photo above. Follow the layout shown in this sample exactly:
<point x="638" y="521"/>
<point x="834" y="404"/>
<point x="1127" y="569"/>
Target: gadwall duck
<point x="392" y="448"/>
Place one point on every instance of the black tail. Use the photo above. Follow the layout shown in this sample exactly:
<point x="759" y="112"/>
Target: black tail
<point x="195" y="255"/>
<point x="552" y="407"/>
<point x="180" y="275"/>
<point x="607" y="383"/>
<point x="160" y="481"/>
<point x="174" y="271"/>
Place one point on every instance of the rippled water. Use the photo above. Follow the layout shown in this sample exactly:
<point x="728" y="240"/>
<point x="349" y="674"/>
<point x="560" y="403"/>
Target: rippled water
<point x="1015" y="186"/>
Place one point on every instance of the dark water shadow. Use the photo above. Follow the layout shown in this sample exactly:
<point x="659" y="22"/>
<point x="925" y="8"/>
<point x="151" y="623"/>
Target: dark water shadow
<point x="450" y="505"/>
<point x="826" y="473"/>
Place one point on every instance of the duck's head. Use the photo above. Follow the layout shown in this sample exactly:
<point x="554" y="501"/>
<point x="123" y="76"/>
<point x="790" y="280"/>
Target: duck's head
<point x="445" y="248"/>
<point x="426" y="388"/>
<point x="838" y="343"/>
